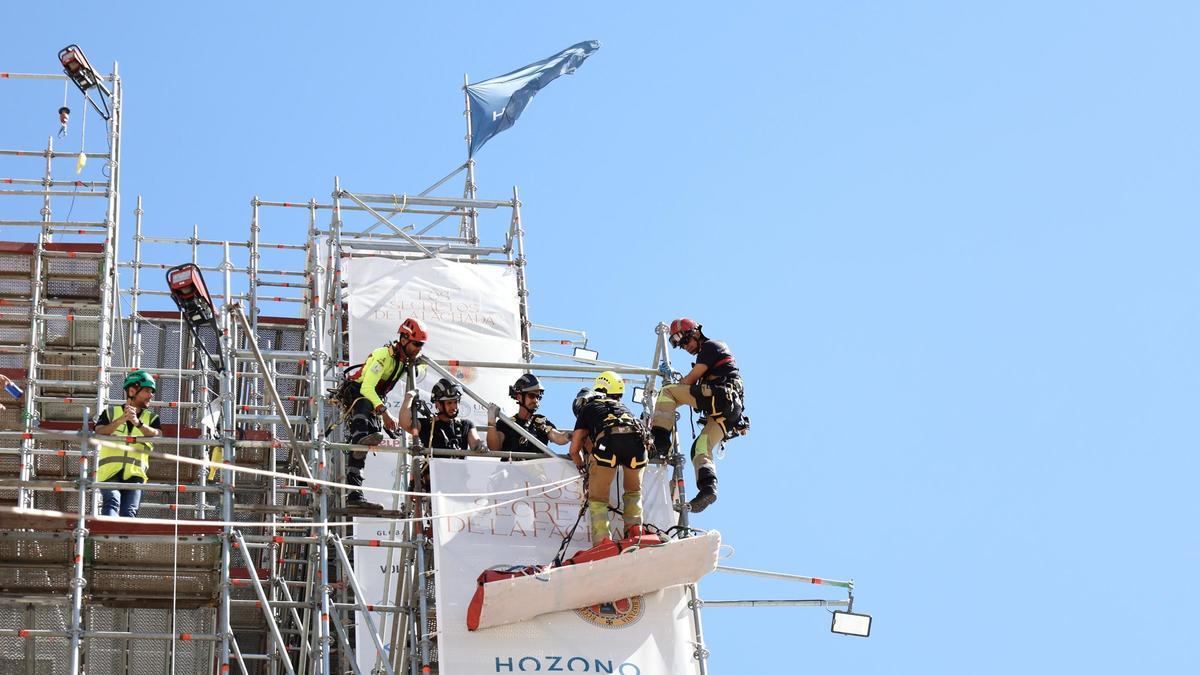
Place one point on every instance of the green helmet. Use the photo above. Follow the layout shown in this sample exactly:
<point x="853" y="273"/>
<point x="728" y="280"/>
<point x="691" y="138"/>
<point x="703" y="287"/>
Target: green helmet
<point x="140" y="379"/>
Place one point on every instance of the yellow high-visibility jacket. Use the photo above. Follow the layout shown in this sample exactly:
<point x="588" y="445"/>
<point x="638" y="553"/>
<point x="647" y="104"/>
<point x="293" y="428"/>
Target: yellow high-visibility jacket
<point x="126" y="464"/>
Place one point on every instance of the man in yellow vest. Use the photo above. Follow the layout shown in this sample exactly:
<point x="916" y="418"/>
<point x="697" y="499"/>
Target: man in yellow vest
<point x="134" y="420"/>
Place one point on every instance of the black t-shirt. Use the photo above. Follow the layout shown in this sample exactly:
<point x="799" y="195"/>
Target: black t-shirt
<point x="126" y="429"/>
<point x="512" y="441"/>
<point x="451" y="435"/>
<point x="718" y="358"/>
<point x="599" y="414"/>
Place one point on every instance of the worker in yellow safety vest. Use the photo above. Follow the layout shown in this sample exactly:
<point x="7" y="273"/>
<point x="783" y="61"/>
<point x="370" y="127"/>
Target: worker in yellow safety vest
<point x="363" y="397"/>
<point x="129" y="464"/>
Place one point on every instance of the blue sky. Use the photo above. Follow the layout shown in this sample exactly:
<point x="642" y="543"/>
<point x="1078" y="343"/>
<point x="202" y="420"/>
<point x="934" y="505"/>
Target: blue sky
<point x="951" y="245"/>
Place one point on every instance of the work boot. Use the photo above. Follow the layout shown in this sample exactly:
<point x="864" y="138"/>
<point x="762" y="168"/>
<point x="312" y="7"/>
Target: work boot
<point x="355" y="499"/>
<point x="370" y="439"/>
<point x="706" y="489"/>
<point x="662" y="441"/>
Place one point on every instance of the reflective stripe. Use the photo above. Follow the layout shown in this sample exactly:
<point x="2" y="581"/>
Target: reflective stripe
<point x="127" y="464"/>
<point x="612" y="462"/>
<point x="119" y="459"/>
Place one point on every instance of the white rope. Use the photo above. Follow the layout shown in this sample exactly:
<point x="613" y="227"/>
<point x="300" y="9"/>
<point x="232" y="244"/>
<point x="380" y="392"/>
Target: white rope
<point x="320" y="523"/>
<point x="175" y="548"/>
<point x="342" y="486"/>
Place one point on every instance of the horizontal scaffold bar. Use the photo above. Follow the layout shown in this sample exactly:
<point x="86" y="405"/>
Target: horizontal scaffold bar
<point x="217" y="242"/>
<point x="786" y="577"/>
<point x="54" y="193"/>
<point x="54" y="183"/>
<point x="458" y="202"/>
<point x="550" y="367"/>
<point x="108" y="635"/>
<point x="397" y="245"/>
<point x="449" y="213"/>
<point x="53" y="155"/>
<point x="775" y="603"/>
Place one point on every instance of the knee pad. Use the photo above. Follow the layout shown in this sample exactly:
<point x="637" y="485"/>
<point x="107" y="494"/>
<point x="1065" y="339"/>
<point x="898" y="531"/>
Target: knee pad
<point x="664" y="396"/>
<point x="631" y="507"/>
<point x="598" y="518"/>
<point x="360" y="421"/>
<point x="597" y="508"/>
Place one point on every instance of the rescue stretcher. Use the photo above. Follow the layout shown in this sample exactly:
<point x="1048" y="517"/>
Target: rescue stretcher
<point x="604" y="573"/>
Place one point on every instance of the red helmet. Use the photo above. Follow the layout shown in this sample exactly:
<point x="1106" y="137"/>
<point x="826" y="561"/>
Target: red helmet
<point x="680" y="329"/>
<point x="413" y="330"/>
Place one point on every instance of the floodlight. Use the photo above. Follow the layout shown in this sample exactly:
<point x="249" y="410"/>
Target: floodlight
<point x="582" y="353"/>
<point x="639" y="394"/>
<point x="76" y="66"/>
<point x="190" y="294"/>
<point x="848" y="623"/>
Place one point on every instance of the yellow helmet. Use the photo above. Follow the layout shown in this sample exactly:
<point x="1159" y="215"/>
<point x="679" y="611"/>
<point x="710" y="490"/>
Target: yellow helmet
<point x="609" y="383"/>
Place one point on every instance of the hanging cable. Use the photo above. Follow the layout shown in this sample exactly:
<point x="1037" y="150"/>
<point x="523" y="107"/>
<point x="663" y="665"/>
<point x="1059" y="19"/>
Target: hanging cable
<point x="64" y="113"/>
<point x="562" y="548"/>
<point x="81" y="161"/>
<point x="175" y="539"/>
<point x="316" y="481"/>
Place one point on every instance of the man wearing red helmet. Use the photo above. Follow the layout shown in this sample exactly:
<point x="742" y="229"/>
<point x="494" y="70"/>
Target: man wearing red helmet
<point x="370" y="386"/>
<point x="714" y="387"/>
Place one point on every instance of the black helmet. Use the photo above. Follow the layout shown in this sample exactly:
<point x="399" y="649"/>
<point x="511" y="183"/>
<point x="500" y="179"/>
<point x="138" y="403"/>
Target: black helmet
<point x="445" y="390"/>
<point x="586" y="394"/>
<point x="525" y="384"/>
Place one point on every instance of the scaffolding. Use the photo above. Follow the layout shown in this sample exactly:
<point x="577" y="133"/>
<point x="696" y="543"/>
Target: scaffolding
<point x="250" y="570"/>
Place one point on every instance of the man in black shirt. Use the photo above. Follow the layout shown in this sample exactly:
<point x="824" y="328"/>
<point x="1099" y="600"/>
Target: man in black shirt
<point x="714" y="387"/>
<point x="444" y="431"/>
<point x="615" y="438"/>
<point x="527" y="392"/>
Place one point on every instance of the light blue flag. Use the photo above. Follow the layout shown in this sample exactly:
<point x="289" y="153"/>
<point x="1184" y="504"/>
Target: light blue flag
<point x="497" y="103"/>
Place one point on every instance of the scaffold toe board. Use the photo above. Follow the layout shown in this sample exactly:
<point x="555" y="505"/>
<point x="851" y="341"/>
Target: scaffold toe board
<point x="635" y="571"/>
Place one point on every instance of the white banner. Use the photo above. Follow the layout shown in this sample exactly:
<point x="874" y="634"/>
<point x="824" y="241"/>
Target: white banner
<point x="643" y="635"/>
<point x="470" y="311"/>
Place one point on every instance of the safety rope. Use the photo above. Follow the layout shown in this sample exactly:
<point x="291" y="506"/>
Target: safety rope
<point x="546" y="488"/>
<point x="316" y="481"/>
<point x="562" y="548"/>
<point x="64" y="116"/>
<point x="175" y="539"/>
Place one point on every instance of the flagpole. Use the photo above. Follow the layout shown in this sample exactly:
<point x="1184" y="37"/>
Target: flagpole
<point x="467" y="228"/>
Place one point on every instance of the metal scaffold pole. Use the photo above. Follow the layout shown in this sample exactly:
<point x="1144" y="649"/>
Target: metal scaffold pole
<point x="78" y="580"/>
<point x="110" y="283"/>
<point x="135" y="324"/>
<point x="468" y="229"/>
<point x="518" y="235"/>
<point x="228" y="433"/>
<point x="28" y="412"/>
